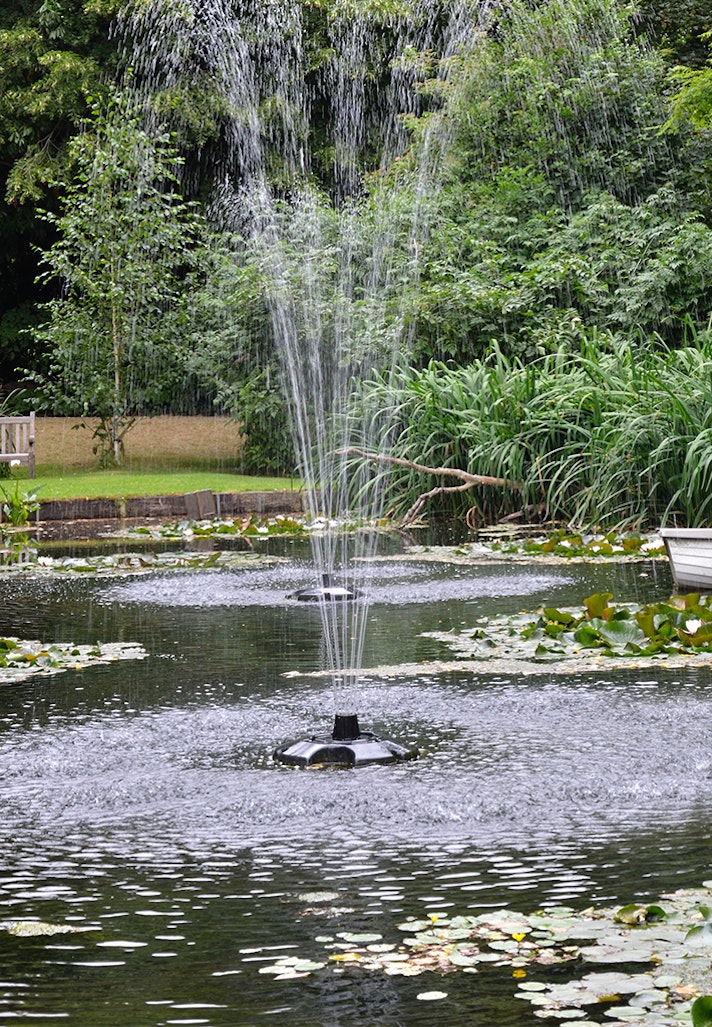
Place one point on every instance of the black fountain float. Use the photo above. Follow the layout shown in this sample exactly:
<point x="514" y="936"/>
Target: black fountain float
<point x="326" y="592"/>
<point x="348" y="745"/>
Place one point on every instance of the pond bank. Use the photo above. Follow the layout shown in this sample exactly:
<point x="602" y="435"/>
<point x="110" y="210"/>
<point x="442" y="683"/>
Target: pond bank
<point x="84" y="513"/>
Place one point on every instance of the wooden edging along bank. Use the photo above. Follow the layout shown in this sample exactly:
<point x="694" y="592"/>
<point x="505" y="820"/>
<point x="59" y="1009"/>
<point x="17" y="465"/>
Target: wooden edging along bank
<point x="227" y="504"/>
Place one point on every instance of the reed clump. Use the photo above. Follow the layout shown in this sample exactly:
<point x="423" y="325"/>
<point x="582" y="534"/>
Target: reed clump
<point x="614" y="436"/>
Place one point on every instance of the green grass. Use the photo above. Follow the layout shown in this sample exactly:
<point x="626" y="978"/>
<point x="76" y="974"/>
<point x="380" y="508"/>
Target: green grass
<point x="123" y="483"/>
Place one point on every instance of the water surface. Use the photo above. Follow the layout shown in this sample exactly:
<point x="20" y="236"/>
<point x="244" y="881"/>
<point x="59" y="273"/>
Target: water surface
<point x="141" y="799"/>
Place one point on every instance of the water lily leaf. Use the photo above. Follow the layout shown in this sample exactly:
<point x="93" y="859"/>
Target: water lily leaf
<point x="359" y="939"/>
<point x="587" y="637"/>
<point x="307" y="965"/>
<point x="619" y="633"/>
<point x="702" y="1011"/>
<point x="631" y="1013"/>
<point x="646" y="621"/>
<point x="700" y="936"/>
<point x="37" y="928"/>
<point x="597" y="604"/>
<point x="404" y="970"/>
<point x="631" y="914"/>
<point x="562" y="617"/>
<point x="431" y="996"/>
<point x="459" y="959"/>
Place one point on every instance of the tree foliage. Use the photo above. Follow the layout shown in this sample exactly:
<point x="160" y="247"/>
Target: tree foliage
<point x="126" y="244"/>
<point x="567" y="204"/>
<point x="55" y="58"/>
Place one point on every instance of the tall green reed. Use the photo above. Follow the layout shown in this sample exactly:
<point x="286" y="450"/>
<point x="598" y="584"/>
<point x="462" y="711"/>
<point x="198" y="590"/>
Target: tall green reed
<point x="614" y="435"/>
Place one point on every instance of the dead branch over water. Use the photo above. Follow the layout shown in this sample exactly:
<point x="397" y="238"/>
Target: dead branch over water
<point x="467" y="479"/>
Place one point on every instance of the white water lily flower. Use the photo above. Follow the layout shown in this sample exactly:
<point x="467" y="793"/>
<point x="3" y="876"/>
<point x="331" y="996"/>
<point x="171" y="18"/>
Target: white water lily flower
<point x="692" y="625"/>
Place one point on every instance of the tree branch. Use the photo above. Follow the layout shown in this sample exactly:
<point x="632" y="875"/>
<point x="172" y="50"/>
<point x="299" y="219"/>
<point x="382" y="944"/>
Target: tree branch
<point x="468" y="480"/>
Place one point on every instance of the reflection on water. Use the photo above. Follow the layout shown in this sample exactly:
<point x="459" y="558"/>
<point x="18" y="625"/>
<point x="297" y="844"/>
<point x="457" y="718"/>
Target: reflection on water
<point x="141" y="799"/>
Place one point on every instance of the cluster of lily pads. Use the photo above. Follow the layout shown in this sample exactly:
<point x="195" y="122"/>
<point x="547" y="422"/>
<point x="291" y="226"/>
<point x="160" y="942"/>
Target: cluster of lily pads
<point x="39" y="928"/>
<point x="20" y="658"/>
<point x="668" y="949"/>
<point x="681" y="625"/>
<point x="235" y="527"/>
<point x="137" y="562"/>
<point x="252" y="527"/>
<point x="640" y="964"/>
<point x="575" y="545"/>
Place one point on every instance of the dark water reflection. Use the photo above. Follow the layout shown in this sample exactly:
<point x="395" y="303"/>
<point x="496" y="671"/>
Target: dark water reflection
<point x="141" y="798"/>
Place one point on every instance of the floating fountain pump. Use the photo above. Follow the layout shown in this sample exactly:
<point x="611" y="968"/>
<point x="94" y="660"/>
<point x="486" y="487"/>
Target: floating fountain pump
<point x="326" y="592"/>
<point x="347" y="747"/>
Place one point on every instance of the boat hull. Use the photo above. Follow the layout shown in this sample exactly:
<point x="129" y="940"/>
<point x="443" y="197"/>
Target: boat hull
<point x="689" y="551"/>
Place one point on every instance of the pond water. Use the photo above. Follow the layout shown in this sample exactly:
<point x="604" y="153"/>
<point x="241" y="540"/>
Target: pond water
<point x="141" y="798"/>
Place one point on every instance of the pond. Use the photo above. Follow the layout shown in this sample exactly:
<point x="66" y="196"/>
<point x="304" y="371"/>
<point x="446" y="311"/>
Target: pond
<point x="141" y="799"/>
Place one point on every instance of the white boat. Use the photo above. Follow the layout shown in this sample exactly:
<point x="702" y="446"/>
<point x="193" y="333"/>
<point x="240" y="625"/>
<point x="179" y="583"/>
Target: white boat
<point x="689" y="551"/>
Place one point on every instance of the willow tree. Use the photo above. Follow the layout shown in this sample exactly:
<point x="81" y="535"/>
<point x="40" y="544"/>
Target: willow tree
<point x="126" y="244"/>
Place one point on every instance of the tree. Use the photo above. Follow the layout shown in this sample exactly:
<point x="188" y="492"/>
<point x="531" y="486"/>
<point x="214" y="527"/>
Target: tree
<point x="55" y="55"/>
<point x="126" y="245"/>
<point x="566" y="207"/>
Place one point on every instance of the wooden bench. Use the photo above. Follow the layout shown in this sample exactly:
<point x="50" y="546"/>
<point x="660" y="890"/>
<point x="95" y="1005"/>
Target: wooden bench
<point x="17" y="441"/>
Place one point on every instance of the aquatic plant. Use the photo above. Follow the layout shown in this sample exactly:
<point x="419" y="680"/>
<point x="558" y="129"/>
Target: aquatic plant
<point x="640" y="962"/>
<point x="681" y="625"/>
<point x="606" y="436"/>
<point x="18" y="504"/>
<point x="23" y="658"/>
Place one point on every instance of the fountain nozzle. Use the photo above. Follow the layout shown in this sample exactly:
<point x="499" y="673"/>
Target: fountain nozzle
<point x="346" y="727"/>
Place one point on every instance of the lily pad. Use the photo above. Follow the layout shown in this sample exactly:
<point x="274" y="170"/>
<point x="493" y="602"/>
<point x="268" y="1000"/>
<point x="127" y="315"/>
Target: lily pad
<point x="37" y="928"/>
<point x="702" y="1011"/>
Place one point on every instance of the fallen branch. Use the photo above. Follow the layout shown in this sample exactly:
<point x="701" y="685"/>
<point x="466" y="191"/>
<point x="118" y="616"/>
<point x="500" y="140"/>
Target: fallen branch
<point x="468" y="480"/>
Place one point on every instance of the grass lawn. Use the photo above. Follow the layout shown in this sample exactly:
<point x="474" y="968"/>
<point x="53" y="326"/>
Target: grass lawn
<point x="164" y="456"/>
<point x="124" y="483"/>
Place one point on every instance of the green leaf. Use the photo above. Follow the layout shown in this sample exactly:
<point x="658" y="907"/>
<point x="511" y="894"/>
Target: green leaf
<point x="587" y="636"/>
<point x="597" y="604"/>
<point x="559" y="616"/>
<point x="622" y="633"/>
<point x="702" y="1011"/>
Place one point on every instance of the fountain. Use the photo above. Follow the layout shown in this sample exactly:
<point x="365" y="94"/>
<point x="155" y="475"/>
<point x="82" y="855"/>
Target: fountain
<point x="328" y="591"/>
<point x="337" y="257"/>
<point x="347" y="746"/>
